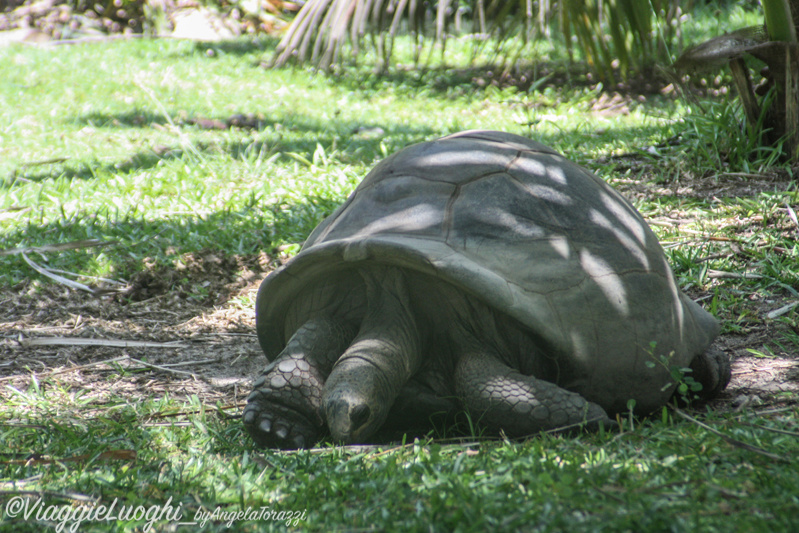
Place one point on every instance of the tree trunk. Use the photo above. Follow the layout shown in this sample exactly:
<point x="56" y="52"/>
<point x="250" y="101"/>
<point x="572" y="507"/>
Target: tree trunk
<point x="781" y="55"/>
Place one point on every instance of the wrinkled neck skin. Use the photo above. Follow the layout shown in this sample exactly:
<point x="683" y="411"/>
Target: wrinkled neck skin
<point x="387" y="351"/>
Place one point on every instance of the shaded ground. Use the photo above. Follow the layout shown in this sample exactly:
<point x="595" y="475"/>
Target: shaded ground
<point x="198" y="318"/>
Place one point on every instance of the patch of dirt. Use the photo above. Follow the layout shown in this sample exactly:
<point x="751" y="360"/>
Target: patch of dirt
<point x="205" y="344"/>
<point x="767" y="380"/>
<point x="194" y="319"/>
<point x="731" y="184"/>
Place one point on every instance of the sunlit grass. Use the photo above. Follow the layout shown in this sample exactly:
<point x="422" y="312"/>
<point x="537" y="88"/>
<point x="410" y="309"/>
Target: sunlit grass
<point x="103" y="142"/>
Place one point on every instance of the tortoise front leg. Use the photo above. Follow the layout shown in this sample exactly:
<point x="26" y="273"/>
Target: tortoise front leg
<point x="284" y="409"/>
<point x="366" y="379"/>
<point x="519" y="405"/>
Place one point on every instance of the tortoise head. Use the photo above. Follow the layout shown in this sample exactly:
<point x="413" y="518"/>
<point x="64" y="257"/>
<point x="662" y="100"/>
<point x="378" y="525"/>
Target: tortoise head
<point x="356" y="401"/>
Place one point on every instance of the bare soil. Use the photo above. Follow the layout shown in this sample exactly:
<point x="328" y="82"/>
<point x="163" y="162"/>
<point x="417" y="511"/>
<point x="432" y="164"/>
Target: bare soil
<point x="203" y="342"/>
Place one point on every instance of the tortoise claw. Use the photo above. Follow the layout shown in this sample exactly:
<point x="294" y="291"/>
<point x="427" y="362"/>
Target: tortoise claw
<point x="274" y="425"/>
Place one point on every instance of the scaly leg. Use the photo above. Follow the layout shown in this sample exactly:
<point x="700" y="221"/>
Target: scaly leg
<point x="519" y="405"/>
<point x="284" y="409"/>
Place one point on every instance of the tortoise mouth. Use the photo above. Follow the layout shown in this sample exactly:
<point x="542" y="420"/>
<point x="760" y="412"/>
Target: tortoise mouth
<point x="348" y="418"/>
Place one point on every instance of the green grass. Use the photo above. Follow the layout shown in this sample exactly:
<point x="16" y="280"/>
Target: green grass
<point x="97" y="141"/>
<point x="663" y="475"/>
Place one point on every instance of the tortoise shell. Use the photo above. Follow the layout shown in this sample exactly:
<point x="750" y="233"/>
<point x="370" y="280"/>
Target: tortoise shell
<point x="532" y="235"/>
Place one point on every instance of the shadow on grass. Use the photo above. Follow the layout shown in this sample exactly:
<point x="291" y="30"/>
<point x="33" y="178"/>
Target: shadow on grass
<point x="254" y="228"/>
<point x="89" y="170"/>
<point x="240" y="46"/>
<point x="355" y="142"/>
<point x="135" y="118"/>
<point x="479" y="80"/>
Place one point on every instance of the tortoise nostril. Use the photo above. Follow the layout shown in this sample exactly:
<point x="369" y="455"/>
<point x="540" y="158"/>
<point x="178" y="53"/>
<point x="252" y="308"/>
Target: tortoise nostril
<point x="359" y="415"/>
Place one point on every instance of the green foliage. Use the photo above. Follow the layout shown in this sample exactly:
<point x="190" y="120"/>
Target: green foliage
<point x="779" y="21"/>
<point x="124" y="156"/>
<point x="636" y="41"/>
<point x="687" y="388"/>
<point x="720" y="138"/>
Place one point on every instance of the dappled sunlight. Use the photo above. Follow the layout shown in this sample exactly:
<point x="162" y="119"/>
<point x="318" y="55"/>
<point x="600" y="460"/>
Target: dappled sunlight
<point x="607" y="280"/>
<point x="561" y="245"/>
<point x="548" y="194"/>
<point x="634" y="248"/>
<point x="623" y="214"/>
<point x="419" y="219"/>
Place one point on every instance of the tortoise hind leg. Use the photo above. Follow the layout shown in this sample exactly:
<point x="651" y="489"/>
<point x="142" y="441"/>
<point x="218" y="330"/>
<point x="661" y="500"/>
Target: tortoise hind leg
<point x="284" y="409"/>
<point x="712" y="370"/>
<point x="519" y="405"/>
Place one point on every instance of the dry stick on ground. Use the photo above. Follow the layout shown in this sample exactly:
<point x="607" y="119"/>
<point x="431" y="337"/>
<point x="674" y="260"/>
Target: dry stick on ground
<point x="165" y="369"/>
<point x="38" y="459"/>
<point x="114" y="343"/>
<point x="123" y="358"/>
<point x="55" y="277"/>
<point x="70" y="369"/>
<point x="782" y="310"/>
<point x="729" y="440"/>
<point x="774" y="430"/>
<point x="86" y="243"/>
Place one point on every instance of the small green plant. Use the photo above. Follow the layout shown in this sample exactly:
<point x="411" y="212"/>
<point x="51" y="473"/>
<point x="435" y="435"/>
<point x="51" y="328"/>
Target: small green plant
<point x="687" y="388"/>
<point x="719" y="139"/>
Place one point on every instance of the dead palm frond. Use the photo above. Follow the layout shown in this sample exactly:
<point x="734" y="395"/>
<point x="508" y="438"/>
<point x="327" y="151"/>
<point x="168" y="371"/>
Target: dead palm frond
<point x="613" y="35"/>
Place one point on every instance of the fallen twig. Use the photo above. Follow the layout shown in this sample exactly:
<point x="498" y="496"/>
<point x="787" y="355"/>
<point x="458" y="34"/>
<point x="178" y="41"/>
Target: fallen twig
<point x="782" y="310"/>
<point x="732" y="275"/>
<point x="71" y="369"/>
<point x="37" y="459"/>
<point x="164" y="368"/>
<point x="729" y="440"/>
<point x="95" y="278"/>
<point x="792" y="215"/>
<point x="86" y="243"/>
<point x="775" y="430"/>
<point x="739" y="175"/>
<point x="55" y="277"/>
<point x="114" y="343"/>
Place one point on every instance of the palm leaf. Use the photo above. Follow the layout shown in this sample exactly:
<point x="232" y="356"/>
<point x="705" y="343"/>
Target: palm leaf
<point x="323" y="27"/>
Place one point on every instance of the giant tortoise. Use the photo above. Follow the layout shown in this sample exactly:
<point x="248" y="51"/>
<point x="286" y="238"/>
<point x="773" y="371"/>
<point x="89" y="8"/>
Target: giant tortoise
<point x="481" y="272"/>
